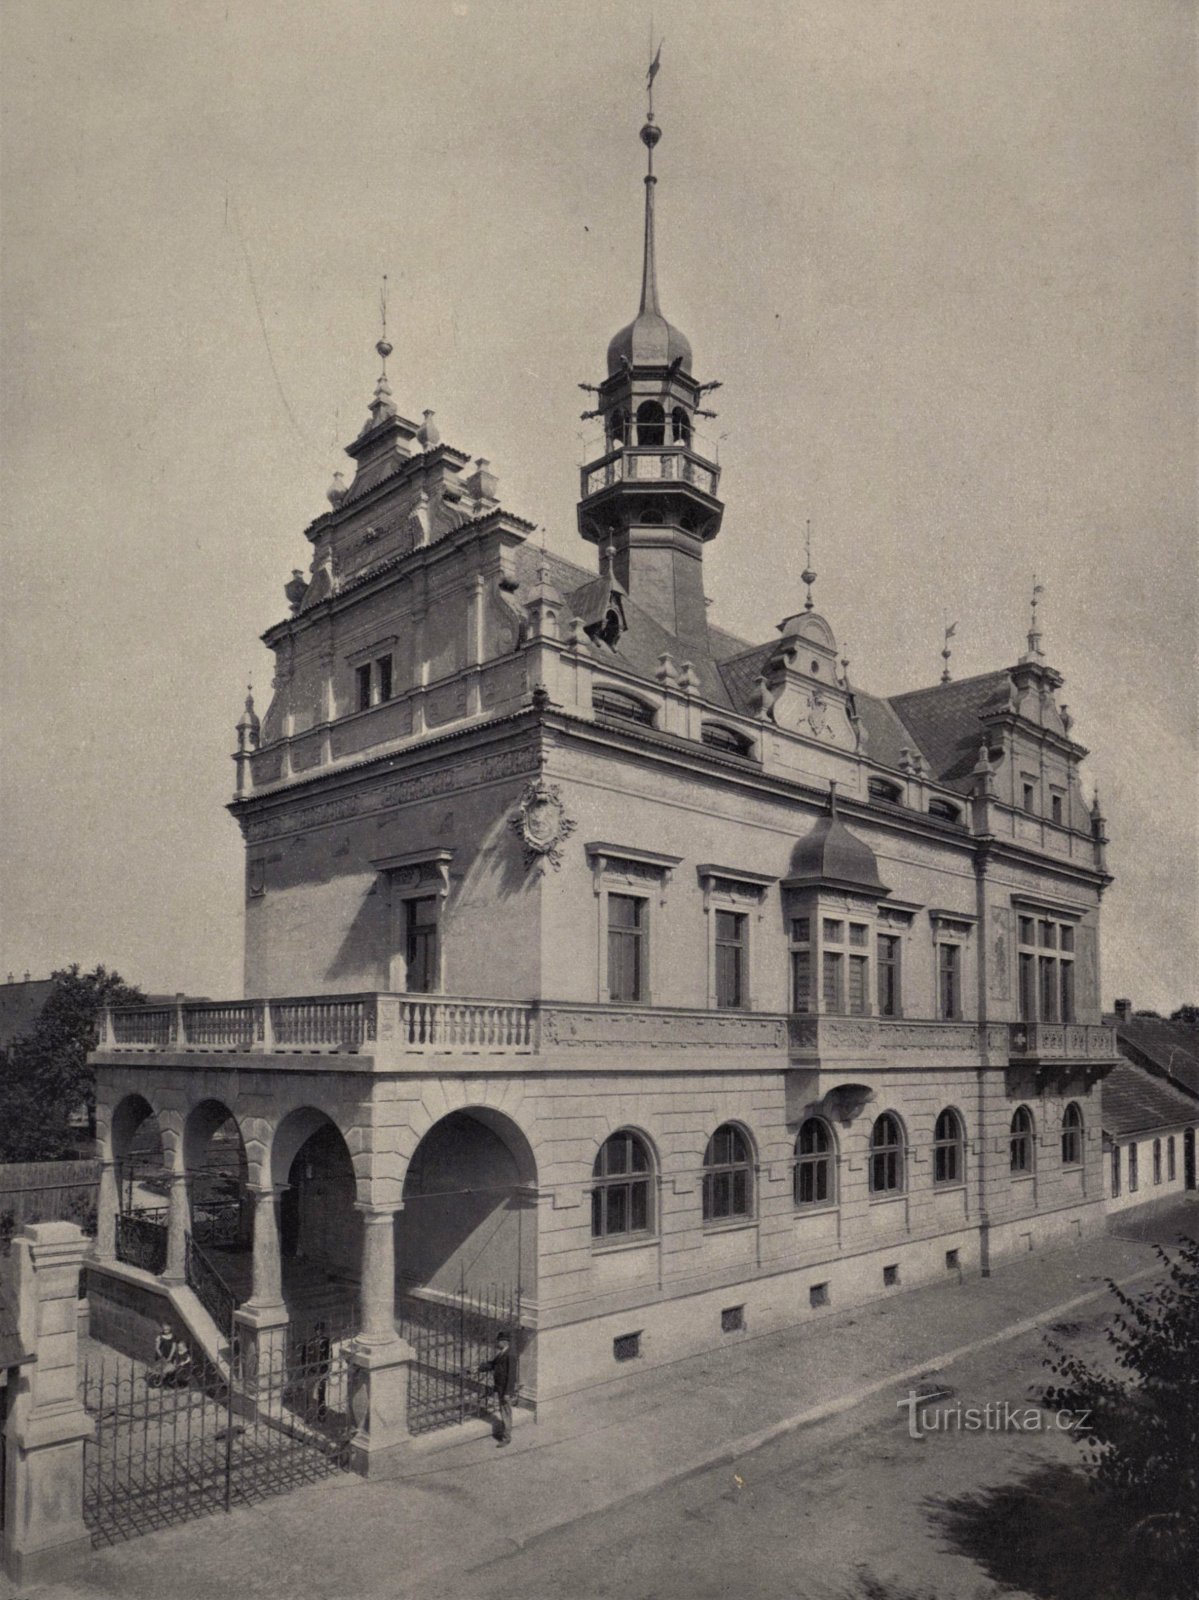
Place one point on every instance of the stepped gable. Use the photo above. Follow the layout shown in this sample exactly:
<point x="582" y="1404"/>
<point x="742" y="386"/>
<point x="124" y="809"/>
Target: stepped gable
<point x="1134" y="1101"/>
<point x="945" y="722"/>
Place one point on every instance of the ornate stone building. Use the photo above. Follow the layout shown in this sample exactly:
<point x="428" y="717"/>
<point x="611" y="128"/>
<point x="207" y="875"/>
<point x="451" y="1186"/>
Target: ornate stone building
<point x="666" y="976"/>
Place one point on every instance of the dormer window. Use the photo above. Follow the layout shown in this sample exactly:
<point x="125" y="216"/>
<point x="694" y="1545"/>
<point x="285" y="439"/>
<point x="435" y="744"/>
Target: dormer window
<point x="615" y="703"/>
<point x="945" y="809"/>
<point x="726" y="739"/>
<point x="884" y="789"/>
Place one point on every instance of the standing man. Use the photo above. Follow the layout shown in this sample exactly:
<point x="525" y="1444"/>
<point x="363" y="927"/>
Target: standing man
<point x="500" y="1367"/>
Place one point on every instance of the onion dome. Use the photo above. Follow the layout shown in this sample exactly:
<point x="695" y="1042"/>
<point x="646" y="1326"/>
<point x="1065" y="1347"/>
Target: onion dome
<point x="649" y="340"/>
<point x="830" y="856"/>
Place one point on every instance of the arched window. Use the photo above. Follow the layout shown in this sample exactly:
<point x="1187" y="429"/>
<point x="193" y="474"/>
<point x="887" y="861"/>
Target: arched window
<point x="948" y="1149"/>
<point x="620" y="1200"/>
<point x="615" y="703"/>
<point x="884" y="789"/>
<point x="886" y="1156"/>
<point x="728" y="1175"/>
<point x="1071" y="1136"/>
<point x="944" y="809"/>
<point x="680" y="426"/>
<point x="618" y="428"/>
<point x="815" y="1165"/>
<point x="727" y="739"/>
<point x="1021" y="1141"/>
<point x="651" y="424"/>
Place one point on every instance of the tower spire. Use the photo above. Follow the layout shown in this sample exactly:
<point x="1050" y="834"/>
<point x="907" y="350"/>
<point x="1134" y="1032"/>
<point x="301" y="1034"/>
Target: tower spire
<point x="650" y="134"/>
<point x="807" y="576"/>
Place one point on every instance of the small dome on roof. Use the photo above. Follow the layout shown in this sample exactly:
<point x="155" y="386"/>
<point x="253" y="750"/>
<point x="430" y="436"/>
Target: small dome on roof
<point x="649" y="341"/>
<point x="830" y="854"/>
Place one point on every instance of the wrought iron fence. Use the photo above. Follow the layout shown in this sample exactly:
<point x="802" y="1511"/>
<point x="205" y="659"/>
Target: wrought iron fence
<point x="217" y="1223"/>
<point x="452" y="1336"/>
<point x="142" y="1238"/>
<point x="183" y="1441"/>
<point x="211" y="1290"/>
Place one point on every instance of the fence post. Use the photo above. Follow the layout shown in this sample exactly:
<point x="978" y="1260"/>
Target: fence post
<point x="47" y="1425"/>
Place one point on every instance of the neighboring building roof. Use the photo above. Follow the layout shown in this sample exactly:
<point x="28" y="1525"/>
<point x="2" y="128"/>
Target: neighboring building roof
<point x="1169" y="1048"/>
<point x="946" y="723"/>
<point x="1134" y="1101"/>
<point x="21" y="1005"/>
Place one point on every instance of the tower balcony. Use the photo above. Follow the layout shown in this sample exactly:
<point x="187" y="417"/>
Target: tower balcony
<point x="651" y="464"/>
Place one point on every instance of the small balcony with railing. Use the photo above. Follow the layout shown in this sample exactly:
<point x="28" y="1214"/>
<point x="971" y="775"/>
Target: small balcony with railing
<point x="693" y="461"/>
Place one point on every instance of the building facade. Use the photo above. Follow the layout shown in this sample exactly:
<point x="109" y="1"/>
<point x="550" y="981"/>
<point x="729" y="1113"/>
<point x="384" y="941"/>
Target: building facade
<point x="667" y="977"/>
<point x="1150" y="1110"/>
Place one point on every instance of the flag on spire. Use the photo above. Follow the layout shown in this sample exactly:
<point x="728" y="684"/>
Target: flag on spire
<point x="654" y="66"/>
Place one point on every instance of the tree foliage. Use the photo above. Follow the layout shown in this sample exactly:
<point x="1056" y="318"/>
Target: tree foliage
<point x="1188" y="1014"/>
<point x="1140" y="1436"/>
<point x="45" y="1080"/>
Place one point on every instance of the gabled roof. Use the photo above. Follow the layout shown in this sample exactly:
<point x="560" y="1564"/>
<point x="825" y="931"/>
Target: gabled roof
<point x="946" y="723"/>
<point x="1135" y="1101"/>
<point x="1169" y="1048"/>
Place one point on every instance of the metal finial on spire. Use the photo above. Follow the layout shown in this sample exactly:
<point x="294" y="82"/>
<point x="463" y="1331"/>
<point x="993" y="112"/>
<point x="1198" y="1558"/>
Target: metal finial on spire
<point x="650" y="134"/>
<point x="1034" y="632"/>
<point x="383" y="347"/>
<point x="946" y="652"/>
<point x="807" y="576"/>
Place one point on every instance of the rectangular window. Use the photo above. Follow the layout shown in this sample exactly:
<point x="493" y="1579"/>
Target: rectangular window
<point x="1048" y="936"/>
<point x="859" y="1003"/>
<point x="1028" y="987"/>
<point x="801" y="930"/>
<point x="1066" y="938"/>
<point x="1132" y="1169"/>
<point x="834" y="981"/>
<point x="1030" y="797"/>
<point x="1171" y="1171"/>
<point x="1055" y="808"/>
<point x="362" y="687"/>
<point x="420" y="944"/>
<point x="801" y="980"/>
<point x="731" y="936"/>
<point x="858" y="935"/>
<point x="1048" y="970"/>
<point x="383" y="677"/>
<point x="888" y="975"/>
<point x="949" y="959"/>
<point x="834" y="931"/>
<point x="626" y="949"/>
<point x="1115" y="1171"/>
<point x="1157" y="1161"/>
<point x="1028" y="930"/>
<point x="1067" y="983"/>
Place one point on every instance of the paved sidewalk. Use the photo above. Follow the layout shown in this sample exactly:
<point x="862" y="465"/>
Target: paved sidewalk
<point x="468" y="1502"/>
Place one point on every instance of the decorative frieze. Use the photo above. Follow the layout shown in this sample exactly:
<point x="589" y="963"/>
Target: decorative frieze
<point x="663" y="1030"/>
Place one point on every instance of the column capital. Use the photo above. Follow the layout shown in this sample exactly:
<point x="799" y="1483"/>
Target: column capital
<point x="376" y="1213"/>
<point x="263" y="1191"/>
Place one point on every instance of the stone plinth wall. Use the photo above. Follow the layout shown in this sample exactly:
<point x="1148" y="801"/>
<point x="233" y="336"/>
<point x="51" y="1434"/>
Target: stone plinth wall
<point x="125" y="1316"/>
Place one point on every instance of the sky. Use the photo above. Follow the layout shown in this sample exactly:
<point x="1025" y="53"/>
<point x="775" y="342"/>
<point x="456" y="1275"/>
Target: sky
<point x="940" y="254"/>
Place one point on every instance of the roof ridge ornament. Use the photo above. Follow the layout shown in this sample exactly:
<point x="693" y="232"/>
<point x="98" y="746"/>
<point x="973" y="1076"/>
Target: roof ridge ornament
<point x="807" y="576"/>
<point x="946" y="652"/>
<point x="1034" y="652"/>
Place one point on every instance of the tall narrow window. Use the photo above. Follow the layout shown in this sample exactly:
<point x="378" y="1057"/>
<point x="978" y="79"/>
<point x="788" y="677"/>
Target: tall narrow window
<point x="832" y="966"/>
<point x="731" y="937"/>
<point x="383" y="677"/>
<point x="859" y="970"/>
<point x="1046" y="968"/>
<point x="814" y="1164"/>
<point x="626" y="949"/>
<point x="888" y="976"/>
<point x="949" y="961"/>
<point x="1071" y="1136"/>
<point x="1132" y="1168"/>
<point x="1157" y="1161"/>
<point x="1115" y="1171"/>
<point x="420" y="944"/>
<point x="1055" y="808"/>
<point x="1020" y="1142"/>
<point x="728" y="1175"/>
<point x="1171" y="1170"/>
<point x="620" y="1200"/>
<point x="947" y="1149"/>
<point x="1028" y="987"/>
<point x="801" y="964"/>
<point x="362" y="687"/>
<point x="886" y="1156"/>
<point x="1030" y="797"/>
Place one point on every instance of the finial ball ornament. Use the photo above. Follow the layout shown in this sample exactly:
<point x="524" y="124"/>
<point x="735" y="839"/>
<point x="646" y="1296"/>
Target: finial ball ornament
<point x="650" y="135"/>
<point x="383" y="348"/>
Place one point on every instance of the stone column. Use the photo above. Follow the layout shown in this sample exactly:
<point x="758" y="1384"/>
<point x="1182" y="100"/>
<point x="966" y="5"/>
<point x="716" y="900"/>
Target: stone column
<point x="108" y="1203"/>
<point x="379" y="1396"/>
<point x="175" y="1270"/>
<point x="262" y="1321"/>
<point x="46" y="1427"/>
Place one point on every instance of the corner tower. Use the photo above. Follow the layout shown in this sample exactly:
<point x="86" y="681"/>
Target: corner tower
<point x="651" y="491"/>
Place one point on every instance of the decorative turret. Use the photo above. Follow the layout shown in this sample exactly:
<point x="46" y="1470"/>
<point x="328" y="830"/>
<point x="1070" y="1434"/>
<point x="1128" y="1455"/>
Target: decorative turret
<point x="650" y="491"/>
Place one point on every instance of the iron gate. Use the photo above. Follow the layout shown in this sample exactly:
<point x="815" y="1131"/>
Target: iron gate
<point x="170" y="1446"/>
<point x="451" y="1336"/>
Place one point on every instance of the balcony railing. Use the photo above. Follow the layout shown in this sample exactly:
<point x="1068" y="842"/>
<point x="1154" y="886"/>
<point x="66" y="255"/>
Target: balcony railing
<point x="676" y="463"/>
<point x="1061" y="1041"/>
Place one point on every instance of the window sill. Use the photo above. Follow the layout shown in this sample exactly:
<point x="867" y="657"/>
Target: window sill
<point x="949" y="1187"/>
<point x="1023" y="1177"/>
<point x="892" y="1197"/>
<point x="606" y="1247"/>
<point x="730" y="1225"/>
<point x="816" y="1208"/>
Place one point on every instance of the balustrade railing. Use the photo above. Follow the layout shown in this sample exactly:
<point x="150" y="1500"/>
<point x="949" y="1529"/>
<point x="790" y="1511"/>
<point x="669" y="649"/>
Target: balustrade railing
<point x="152" y="1027"/>
<point x="222" y="1025"/>
<point x="486" y="1026"/>
<point x="651" y="464"/>
<point x="343" y="1021"/>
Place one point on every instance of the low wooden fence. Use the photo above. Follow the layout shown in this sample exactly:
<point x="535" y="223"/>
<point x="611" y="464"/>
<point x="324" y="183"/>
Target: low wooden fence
<point x="47" y="1191"/>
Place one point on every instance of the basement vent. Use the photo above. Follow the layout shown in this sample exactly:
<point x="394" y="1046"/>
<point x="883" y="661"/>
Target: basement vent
<point x="818" y="1294"/>
<point x="732" y="1319"/>
<point x="891" y="1275"/>
<point x="627" y="1346"/>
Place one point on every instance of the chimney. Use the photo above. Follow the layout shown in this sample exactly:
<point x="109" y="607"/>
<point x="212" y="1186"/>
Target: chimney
<point x="1123" y="1010"/>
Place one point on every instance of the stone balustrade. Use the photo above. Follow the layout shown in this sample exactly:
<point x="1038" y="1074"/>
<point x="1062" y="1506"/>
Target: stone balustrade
<point x="391" y="1027"/>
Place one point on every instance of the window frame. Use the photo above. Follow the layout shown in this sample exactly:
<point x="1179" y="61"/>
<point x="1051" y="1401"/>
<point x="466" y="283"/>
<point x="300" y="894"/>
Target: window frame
<point x="952" y="1147"/>
<point x="887" y="1158"/>
<point x="636" y="936"/>
<point x="1022" y="1144"/>
<point x="1046" y="957"/>
<point x="727" y="1172"/>
<point x="949" y="965"/>
<point x="821" y="1160"/>
<point x="625" y="1181"/>
<point x="889" y="971"/>
<point x="1171" y="1161"/>
<point x="1134" y="1176"/>
<point x="800" y="951"/>
<point x="1072" y="1135"/>
<point x="1157" y="1161"/>
<point x="738" y="946"/>
<point x="1114" y="1174"/>
<point x="422" y="937"/>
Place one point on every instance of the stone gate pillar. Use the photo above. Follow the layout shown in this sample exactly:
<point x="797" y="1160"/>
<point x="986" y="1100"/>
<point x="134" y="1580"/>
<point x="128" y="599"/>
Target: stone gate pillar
<point x="380" y="1358"/>
<point x="47" y="1425"/>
